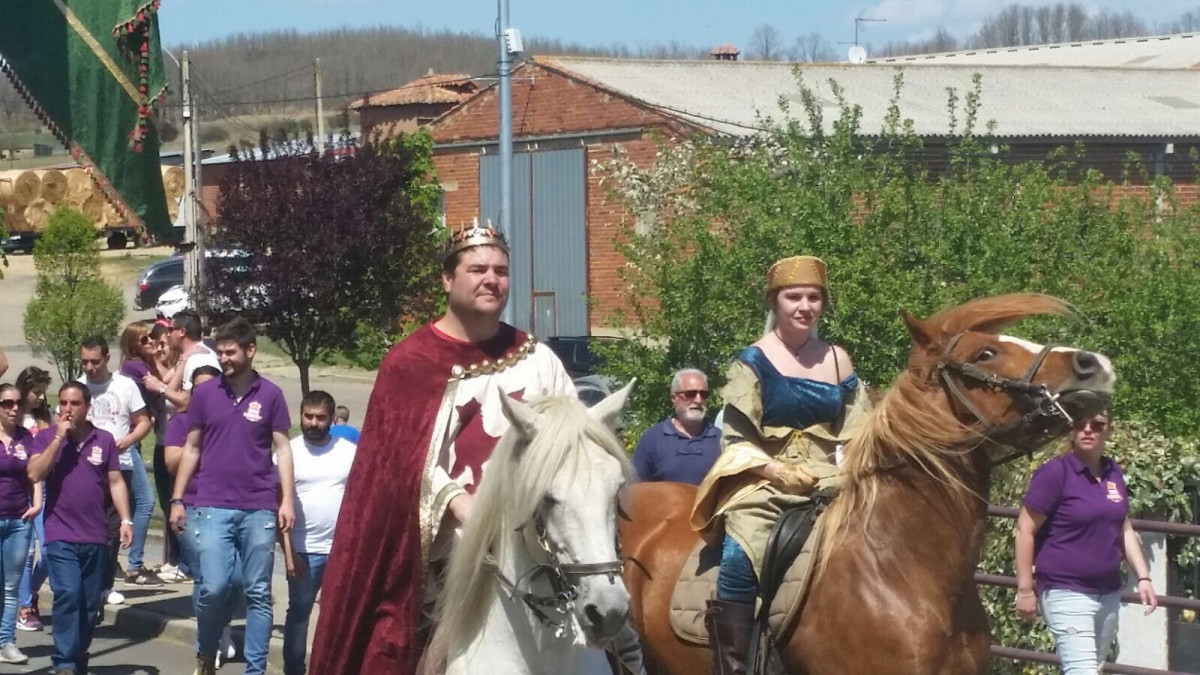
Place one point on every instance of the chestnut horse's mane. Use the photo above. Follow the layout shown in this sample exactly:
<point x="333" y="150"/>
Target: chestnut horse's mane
<point x="907" y="427"/>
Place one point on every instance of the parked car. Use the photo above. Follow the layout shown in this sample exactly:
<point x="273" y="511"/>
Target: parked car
<point x="576" y="353"/>
<point x="155" y="279"/>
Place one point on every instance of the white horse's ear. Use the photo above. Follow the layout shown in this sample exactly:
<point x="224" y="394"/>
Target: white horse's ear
<point x="608" y="412"/>
<point x="522" y="417"/>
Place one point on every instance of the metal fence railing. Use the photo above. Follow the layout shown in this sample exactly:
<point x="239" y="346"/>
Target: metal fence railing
<point x="1157" y="526"/>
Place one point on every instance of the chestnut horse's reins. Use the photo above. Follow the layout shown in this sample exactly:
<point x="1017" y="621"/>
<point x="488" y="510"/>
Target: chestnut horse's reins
<point x="1042" y="404"/>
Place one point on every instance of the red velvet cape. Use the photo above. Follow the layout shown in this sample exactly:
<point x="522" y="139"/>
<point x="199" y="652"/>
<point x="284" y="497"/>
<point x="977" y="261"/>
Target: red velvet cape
<point x="371" y="594"/>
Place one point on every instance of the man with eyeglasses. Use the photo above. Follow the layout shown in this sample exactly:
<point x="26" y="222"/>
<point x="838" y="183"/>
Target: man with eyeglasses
<point x="683" y="447"/>
<point x="184" y="339"/>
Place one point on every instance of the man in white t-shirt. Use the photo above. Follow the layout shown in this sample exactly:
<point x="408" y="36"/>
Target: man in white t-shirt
<point x="321" y="463"/>
<point x="118" y="408"/>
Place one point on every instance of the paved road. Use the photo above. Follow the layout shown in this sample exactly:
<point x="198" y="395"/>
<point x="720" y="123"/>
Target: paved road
<point x="116" y="654"/>
<point x="351" y="388"/>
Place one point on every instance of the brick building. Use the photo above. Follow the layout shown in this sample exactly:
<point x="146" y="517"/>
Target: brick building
<point x="569" y="111"/>
<point x="413" y="105"/>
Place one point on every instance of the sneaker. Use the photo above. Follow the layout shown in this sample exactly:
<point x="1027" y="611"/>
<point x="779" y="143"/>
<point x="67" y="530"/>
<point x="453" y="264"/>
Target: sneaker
<point x="29" y="619"/>
<point x="203" y="666"/>
<point x="142" y="577"/>
<point x="113" y="597"/>
<point x="170" y="574"/>
<point x="10" y="654"/>
<point x="226" y="650"/>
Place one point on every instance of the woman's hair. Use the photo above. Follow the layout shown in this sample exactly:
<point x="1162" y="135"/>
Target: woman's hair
<point x="158" y="330"/>
<point x="131" y="340"/>
<point x="28" y="379"/>
<point x="6" y="387"/>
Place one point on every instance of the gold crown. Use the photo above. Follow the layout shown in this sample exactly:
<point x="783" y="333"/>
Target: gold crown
<point x="472" y="235"/>
<point x="800" y="270"/>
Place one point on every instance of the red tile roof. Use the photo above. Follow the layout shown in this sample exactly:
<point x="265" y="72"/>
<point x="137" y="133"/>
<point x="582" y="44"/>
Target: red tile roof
<point x="432" y="88"/>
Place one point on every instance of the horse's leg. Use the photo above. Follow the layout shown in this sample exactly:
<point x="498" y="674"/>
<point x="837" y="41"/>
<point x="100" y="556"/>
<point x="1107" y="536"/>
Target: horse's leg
<point x="657" y="540"/>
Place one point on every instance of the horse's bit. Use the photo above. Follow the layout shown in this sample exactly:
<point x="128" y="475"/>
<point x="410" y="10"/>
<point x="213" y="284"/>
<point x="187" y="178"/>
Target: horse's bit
<point x="1037" y="399"/>
<point x="563" y="579"/>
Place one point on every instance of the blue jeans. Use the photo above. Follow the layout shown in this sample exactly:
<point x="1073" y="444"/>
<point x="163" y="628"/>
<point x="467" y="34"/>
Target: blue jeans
<point x="141" y="497"/>
<point x="163" y="483"/>
<point x="14" y="549"/>
<point x="1083" y="626"/>
<point x="736" y="581"/>
<point x="222" y="536"/>
<point x="302" y="593"/>
<point x="35" y="573"/>
<point x="77" y="579"/>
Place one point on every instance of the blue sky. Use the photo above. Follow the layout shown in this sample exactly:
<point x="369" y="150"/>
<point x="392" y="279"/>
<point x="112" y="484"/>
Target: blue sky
<point x="633" y="22"/>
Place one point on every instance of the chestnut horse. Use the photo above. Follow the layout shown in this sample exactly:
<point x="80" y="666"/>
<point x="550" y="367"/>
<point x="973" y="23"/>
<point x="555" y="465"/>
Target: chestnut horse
<point x="894" y="588"/>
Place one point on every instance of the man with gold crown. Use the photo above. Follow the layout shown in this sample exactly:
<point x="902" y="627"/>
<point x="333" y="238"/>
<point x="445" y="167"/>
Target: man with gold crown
<point x="431" y="424"/>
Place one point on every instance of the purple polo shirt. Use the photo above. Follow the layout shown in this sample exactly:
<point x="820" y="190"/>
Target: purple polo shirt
<point x="77" y="487"/>
<point x="1079" y="547"/>
<point x="15" y="489"/>
<point x="663" y="453"/>
<point x="235" y="444"/>
<point x="176" y="437"/>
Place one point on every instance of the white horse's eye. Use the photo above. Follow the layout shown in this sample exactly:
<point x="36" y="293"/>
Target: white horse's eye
<point x="549" y="502"/>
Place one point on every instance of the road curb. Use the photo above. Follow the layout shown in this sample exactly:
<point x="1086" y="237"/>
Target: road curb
<point x="143" y="623"/>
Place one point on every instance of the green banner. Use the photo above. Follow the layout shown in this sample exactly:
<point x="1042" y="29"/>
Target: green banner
<point x="92" y="72"/>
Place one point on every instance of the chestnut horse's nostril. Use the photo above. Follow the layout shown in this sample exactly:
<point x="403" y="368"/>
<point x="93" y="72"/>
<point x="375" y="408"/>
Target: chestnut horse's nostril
<point x="1086" y="364"/>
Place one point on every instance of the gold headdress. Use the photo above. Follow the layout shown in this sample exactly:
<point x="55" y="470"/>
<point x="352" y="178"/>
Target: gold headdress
<point x="470" y="236"/>
<point x="800" y="270"/>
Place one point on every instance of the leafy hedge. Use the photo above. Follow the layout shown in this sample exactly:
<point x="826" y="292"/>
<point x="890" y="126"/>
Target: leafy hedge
<point x="708" y="219"/>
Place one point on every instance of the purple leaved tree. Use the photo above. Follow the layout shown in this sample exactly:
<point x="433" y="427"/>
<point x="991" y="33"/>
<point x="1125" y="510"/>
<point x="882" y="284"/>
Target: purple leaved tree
<point x="318" y="250"/>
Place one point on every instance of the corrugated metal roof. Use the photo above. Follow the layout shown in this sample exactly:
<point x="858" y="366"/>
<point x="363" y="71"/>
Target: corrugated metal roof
<point x="732" y="97"/>
<point x="1180" y="51"/>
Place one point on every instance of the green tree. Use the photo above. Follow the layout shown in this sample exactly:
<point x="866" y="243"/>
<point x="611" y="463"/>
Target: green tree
<point x="68" y="251"/>
<point x="342" y="248"/>
<point x="713" y="214"/>
<point x="71" y="301"/>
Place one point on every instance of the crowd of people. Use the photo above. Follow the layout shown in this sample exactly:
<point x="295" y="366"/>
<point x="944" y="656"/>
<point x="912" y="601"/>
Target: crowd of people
<point x="234" y="486"/>
<point x="75" y="492"/>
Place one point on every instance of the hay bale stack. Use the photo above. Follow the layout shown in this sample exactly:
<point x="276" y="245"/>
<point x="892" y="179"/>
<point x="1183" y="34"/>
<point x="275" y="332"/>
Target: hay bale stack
<point x="14" y="221"/>
<point x="79" y="187"/>
<point x="26" y="186"/>
<point x="6" y="191"/>
<point x="54" y="185"/>
<point x="110" y="218"/>
<point x="172" y="177"/>
<point x="93" y="208"/>
<point x="38" y="213"/>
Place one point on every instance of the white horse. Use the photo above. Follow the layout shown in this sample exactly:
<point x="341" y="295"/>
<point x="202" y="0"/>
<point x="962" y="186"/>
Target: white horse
<point x="534" y="585"/>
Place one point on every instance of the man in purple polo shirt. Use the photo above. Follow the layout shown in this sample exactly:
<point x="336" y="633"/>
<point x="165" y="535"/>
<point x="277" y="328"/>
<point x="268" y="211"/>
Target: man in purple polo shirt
<point x="79" y="463"/>
<point x="683" y="447"/>
<point x="235" y="422"/>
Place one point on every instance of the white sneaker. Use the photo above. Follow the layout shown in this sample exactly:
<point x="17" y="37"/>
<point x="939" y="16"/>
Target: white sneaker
<point x="226" y="650"/>
<point x="10" y="654"/>
<point x="114" y="597"/>
<point x="171" y="574"/>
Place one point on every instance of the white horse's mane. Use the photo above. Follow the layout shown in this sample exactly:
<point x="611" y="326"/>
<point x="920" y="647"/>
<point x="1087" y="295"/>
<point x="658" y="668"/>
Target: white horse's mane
<point x="518" y="476"/>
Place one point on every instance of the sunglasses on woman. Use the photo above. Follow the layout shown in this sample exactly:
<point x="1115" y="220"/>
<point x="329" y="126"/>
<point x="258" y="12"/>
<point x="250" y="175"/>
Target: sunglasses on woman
<point x="9" y="403"/>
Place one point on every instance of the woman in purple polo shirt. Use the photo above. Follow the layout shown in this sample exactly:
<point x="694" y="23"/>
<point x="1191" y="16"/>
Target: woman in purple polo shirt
<point x="1074" y="527"/>
<point x="20" y="502"/>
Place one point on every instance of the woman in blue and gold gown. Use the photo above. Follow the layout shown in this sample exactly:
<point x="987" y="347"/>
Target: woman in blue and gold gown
<point x="791" y="402"/>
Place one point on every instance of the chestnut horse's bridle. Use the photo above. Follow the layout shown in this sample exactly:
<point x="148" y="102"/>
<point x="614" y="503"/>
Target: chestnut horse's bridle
<point x="1041" y="407"/>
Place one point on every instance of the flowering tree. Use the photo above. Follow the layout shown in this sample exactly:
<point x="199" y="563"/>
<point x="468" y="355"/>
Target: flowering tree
<point x="320" y="249"/>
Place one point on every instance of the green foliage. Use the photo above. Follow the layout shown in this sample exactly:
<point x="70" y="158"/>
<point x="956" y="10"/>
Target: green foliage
<point x="60" y="316"/>
<point x="340" y="248"/>
<point x="67" y="252"/>
<point x="713" y="214"/>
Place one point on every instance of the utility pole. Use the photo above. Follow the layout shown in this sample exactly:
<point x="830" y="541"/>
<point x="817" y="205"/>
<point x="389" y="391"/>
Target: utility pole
<point x="320" y="113"/>
<point x="198" y="202"/>
<point x="506" y="143"/>
<point x="188" y="205"/>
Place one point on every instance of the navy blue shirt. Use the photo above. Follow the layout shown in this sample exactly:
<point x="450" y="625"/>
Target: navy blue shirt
<point x="665" y="453"/>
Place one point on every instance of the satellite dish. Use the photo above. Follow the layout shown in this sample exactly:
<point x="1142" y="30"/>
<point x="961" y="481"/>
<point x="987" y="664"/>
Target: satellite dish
<point x="857" y="54"/>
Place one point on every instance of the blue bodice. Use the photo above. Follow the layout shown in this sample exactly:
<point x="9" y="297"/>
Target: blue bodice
<point x="796" y="402"/>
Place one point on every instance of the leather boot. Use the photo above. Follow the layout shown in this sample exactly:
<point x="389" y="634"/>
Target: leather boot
<point x="729" y="626"/>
